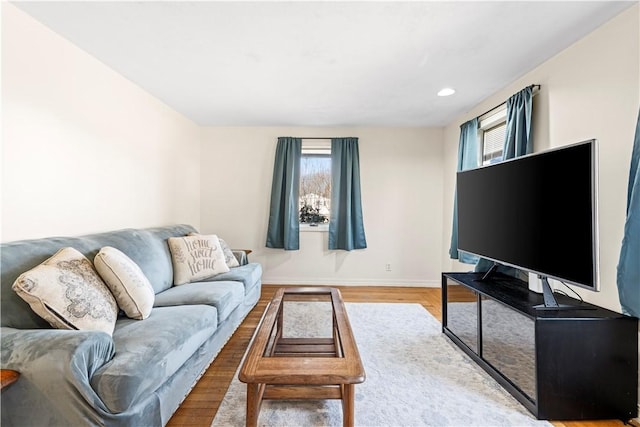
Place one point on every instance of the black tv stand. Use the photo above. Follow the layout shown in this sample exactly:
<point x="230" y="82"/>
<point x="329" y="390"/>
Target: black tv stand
<point x="561" y="364"/>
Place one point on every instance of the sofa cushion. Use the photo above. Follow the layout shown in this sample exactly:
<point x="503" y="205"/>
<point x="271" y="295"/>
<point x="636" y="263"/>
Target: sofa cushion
<point x="196" y="258"/>
<point x="128" y="284"/>
<point x="149" y="352"/>
<point x="67" y="292"/>
<point x="249" y="274"/>
<point x="223" y="295"/>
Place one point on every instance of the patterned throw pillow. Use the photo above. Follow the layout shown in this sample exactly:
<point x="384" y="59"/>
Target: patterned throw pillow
<point x="196" y="258"/>
<point x="131" y="288"/>
<point x="67" y="292"/>
<point x="229" y="257"/>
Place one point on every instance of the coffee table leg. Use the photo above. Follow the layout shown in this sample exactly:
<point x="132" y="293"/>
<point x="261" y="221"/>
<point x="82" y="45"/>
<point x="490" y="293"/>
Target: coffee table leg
<point x="348" y="394"/>
<point x="253" y="404"/>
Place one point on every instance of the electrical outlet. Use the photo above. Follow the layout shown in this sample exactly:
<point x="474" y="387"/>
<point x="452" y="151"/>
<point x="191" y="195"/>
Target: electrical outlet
<point x="387" y="267"/>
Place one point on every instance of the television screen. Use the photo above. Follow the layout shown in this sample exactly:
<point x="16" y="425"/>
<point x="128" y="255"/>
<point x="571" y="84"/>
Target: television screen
<point x="535" y="212"/>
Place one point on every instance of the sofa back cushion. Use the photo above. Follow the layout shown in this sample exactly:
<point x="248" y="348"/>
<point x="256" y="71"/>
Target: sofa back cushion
<point x="148" y="248"/>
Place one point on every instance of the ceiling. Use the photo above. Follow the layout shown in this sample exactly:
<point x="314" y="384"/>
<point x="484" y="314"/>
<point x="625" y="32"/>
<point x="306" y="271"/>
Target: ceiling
<point x="322" y="63"/>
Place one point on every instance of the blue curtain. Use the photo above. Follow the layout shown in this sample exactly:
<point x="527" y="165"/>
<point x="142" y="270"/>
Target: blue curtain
<point x="468" y="153"/>
<point x="284" y="225"/>
<point x="346" y="229"/>
<point x="518" y="142"/>
<point x="629" y="265"/>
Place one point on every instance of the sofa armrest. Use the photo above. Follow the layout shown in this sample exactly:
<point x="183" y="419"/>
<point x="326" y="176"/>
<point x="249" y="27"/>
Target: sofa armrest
<point x="55" y="368"/>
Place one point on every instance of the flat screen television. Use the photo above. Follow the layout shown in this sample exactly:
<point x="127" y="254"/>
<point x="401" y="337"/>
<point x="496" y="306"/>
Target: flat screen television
<point x="536" y="213"/>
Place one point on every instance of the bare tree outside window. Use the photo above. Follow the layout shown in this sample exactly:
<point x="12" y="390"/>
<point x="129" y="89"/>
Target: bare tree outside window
<point x="315" y="189"/>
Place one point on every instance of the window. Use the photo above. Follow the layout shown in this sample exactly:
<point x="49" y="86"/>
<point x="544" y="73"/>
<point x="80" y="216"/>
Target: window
<point x="493" y="130"/>
<point x="315" y="183"/>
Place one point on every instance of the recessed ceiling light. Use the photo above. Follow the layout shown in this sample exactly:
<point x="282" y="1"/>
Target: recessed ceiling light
<point x="446" y="91"/>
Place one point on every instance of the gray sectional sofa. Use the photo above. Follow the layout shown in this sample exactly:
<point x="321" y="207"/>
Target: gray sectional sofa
<point x="140" y="375"/>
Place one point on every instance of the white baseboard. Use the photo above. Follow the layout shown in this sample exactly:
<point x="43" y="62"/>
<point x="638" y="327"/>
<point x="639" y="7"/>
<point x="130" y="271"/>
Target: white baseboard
<point x="351" y="282"/>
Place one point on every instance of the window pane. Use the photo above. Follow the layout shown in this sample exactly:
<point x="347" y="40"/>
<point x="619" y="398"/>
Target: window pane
<point x="493" y="143"/>
<point x="315" y="188"/>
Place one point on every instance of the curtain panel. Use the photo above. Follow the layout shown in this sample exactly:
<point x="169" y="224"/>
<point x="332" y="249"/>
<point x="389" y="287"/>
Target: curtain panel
<point x="468" y="152"/>
<point x="283" y="231"/>
<point x="628" y="277"/>
<point x="518" y="142"/>
<point x="346" y="228"/>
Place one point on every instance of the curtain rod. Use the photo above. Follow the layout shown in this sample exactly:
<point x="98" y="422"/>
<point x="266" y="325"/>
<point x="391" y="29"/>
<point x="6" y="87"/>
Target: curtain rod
<point x="315" y="137"/>
<point x="536" y="86"/>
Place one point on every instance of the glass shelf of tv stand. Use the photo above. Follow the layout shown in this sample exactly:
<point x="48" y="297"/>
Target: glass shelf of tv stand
<point x="503" y="337"/>
<point x="462" y="314"/>
<point x="508" y="344"/>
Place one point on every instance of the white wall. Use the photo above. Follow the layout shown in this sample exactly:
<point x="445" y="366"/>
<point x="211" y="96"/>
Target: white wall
<point x="84" y="149"/>
<point x="590" y="90"/>
<point x="401" y="178"/>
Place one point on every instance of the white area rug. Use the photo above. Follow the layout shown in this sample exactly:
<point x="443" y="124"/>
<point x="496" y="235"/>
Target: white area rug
<point x="415" y="377"/>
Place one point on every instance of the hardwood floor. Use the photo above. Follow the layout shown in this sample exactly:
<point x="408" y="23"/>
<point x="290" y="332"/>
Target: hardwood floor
<point x="200" y="407"/>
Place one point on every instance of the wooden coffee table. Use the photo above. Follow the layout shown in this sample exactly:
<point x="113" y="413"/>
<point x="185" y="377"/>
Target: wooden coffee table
<point x="282" y="367"/>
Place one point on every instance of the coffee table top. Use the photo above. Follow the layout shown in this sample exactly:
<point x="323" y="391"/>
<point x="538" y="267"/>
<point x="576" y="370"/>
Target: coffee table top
<point x="273" y="359"/>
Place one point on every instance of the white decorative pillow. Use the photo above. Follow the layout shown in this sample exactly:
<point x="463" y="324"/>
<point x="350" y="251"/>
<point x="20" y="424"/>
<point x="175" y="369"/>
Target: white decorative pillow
<point x="229" y="257"/>
<point x="196" y="258"/>
<point x="131" y="288"/>
<point x="67" y="292"/>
